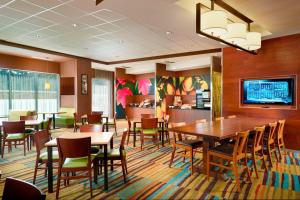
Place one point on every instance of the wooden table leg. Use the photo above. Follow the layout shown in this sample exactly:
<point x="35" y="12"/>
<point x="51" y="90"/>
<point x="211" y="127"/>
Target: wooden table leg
<point x="105" y="168"/>
<point x="0" y="140"/>
<point x="207" y="142"/>
<point x="106" y="124"/>
<point x="53" y="115"/>
<point x="50" y="170"/>
<point x="134" y="134"/>
<point x="162" y="136"/>
<point x="111" y="161"/>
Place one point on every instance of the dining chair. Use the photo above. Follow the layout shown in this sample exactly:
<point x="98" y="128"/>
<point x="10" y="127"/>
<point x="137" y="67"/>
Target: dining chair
<point x="97" y="113"/>
<point x="131" y="130"/>
<point x="113" y="123"/>
<point x="18" y="189"/>
<point x="231" y="153"/>
<point x="279" y="139"/>
<point x="187" y="145"/>
<point x="14" y="131"/>
<point x="29" y="130"/>
<point x="74" y="156"/>
<point x="117" y="154"/>
<point x="164" y="129"/>
<point x="41" y="138"/>
<point x="269" y="141"/>
<point x="256" y="147"/>
<point x="147" y="116"/>
<point x="219" y="118"/>
<point x="77" y="122"/>
<point x="149" y="129"/>
<point x="94" y="119"/>
<point x="48" y="127"/>
<point x="231" y="116"/>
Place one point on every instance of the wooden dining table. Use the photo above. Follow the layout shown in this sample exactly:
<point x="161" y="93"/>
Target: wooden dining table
<point x="218" y="130"/>
<point x="84" y="119"/>
<point x="135" y="121"/>
<point x="97" y="139"/>
<point x="34" y="123"/>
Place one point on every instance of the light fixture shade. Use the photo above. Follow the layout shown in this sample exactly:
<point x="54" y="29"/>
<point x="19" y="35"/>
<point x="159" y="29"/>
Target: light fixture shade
<point x="236" y="33"/>
<point x="47" y="85"/>
<point x="253" y="41"/>
<point x="214" y="22"/>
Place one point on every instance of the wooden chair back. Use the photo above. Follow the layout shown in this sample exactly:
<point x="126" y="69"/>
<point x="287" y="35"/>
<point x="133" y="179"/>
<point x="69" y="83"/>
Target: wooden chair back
<point x="41" y="138"/>
<point x="166" y="119"/>
<point x="280" y="128"/>
<point x="149" y="123"/>
<point x="73" y="148"/>
<point x="201" y="121"/>
<point x="271" y="133"/>
<point x="76" y="118"/>
<point x="219" y="118"/>
<point x="147" y="116"/>
<point x="91" y="128"/>
<point x="258" y="137"/>
<point x="240" y="147"/>
<point x="49" y="124"/>
<point x="18" y="189"/>
<point x="29" y="117"/>
<point x="177" y="135"/>
<point x="94" y="118"/>
<point x="123" y="139"/>
<point x="10" y="127"/>
<point x="97" y="113"/>
<point x="231" y="116"/>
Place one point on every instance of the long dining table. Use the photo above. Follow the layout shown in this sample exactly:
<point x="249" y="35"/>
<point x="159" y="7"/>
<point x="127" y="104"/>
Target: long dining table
<point x="97" y="139"/>
<point x="219" y="130"/>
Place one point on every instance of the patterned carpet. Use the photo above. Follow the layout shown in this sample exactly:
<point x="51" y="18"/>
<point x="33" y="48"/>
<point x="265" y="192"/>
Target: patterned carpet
<point x="151" y="178"/>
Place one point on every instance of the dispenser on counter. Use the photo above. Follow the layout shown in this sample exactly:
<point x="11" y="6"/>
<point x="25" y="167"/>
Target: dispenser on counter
<point x="203" y="99"/>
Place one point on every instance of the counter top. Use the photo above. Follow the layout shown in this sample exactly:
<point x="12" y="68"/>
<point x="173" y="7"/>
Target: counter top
<point x="191" y="109"/>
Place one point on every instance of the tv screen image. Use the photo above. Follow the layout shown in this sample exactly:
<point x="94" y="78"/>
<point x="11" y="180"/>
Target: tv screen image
<point x="268" y="91"/>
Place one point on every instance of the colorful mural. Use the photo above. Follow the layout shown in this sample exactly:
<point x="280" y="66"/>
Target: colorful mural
<point x="177" y="86"/>
<point x="125" y="87"/>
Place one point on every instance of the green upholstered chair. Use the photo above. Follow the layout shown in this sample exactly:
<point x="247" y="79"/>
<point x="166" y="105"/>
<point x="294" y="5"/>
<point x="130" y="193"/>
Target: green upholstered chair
<point x="130" y="130"/>
<point x="14" y="115"/>
<point x="14" y="131"/>
<point x="117" y="154"/>
<point x="75" y="156"/>
<point x="30" y="131"/>
<point x="113" y="123"/>
<point x="149" y="129"/>
<point x="41" y="138"/>
<point x="65" y="119"/>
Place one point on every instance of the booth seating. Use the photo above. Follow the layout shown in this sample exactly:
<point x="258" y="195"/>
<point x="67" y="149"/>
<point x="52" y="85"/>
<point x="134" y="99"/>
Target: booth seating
<point x="65" y="119"/>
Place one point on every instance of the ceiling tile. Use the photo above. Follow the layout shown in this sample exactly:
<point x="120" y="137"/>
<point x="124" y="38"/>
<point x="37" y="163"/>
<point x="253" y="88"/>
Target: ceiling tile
<point x="109" y="28"/>
<point x="6" y="20"/>
<point x="39" y="21"/>
<point x="46" y="3"/>
<point x="91" y="20"/>
<point x="69" y="11"/>
<point x="53" y="17"/>
<point x="108" y="15"/>
<point x="25" y="7"/>
<point x="12" y="13"/>
<point x="27" y="27"/>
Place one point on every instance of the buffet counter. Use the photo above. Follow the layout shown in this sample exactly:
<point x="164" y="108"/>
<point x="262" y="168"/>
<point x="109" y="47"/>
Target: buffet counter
<point x="188" y="115"/>
<point x="135" y="112"/>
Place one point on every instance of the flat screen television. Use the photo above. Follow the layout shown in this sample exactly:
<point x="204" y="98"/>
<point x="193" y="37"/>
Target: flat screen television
<point x="273" y="91"/>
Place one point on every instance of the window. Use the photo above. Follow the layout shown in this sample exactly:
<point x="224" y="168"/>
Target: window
<point x="24" y="90"/>
<point x="101" y="96"/>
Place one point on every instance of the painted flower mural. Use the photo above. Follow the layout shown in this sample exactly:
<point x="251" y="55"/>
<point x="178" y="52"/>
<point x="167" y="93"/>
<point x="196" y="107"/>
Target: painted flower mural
<point x="121" y="96"/>
<point x="144" y="86"/>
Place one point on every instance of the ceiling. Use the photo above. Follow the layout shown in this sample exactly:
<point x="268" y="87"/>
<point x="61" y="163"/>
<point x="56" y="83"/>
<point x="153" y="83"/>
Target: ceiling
<point x="126" y="29"/>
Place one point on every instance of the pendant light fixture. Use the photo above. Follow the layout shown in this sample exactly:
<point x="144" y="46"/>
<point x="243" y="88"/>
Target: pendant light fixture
<point x="237" y="33"/>
<point x="214" y="23"/>
<point x="253" y="41"/>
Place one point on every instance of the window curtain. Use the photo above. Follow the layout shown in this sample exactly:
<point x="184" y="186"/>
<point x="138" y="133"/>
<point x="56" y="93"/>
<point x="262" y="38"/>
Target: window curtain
<point x="103" y="92"/>
<point x="25" y="90"/>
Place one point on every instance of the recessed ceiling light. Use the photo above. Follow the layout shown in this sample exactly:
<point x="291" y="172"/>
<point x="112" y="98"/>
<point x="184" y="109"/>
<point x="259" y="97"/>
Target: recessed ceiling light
<point x="74" y="25"/>
<point x="168" y="32"/>
<point x="37" y="36"/>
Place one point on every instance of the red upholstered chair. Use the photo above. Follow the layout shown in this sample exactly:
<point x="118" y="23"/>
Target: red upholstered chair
<point x="14" y="131"/>
<point x="18" y="189"/>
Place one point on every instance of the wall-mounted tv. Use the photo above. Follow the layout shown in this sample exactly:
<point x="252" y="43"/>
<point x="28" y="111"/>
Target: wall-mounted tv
<point x="271" y="91"/>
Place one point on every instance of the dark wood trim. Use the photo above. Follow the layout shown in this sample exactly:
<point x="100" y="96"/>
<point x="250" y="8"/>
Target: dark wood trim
<point x="232" y="10"/>
<point x="7" y="43"/>
<point x="217" y="50"/>
<point x="98" y="1"/>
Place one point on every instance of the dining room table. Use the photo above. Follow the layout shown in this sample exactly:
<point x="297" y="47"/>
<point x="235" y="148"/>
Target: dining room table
<point x="136" y="121"/>
<point x="97" y="139"/>
<point x="30" y="123"/>
<point x="213" y="131"/>
<point x="84" y="120"/>
<point x="53" y="116"/>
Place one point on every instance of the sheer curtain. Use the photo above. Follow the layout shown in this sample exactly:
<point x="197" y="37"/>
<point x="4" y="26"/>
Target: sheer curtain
<point x="103" y="92"/>
<point x="25" y="90"/>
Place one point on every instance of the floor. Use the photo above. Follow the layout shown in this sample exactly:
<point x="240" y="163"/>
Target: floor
<point x="150" y="177"/>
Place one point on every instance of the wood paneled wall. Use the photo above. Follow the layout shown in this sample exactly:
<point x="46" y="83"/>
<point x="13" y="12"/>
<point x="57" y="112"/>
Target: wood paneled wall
<point x="278" y="57"/>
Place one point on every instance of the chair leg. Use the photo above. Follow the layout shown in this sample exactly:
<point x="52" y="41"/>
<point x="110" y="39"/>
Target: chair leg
<point x="208" y="166"/>
<point x="3" y="148"/>
<point x="142" y="142"/>
<point x="247" y="168"/>
<point x="254" y="163"/>
<point x="91" y="183"/>
<point x="24" y="143"/>
<point x="184" y="156"/>
<point x="157" y="141"/>
<point x="123" y="170"/>
<point x="95" y="166"/>
<point x="236" y="174"/>
<point x="128" y="138"/>
<point x="125" y="162"/>
<point x="192" y="161"/>
<point x="275" y="151"/>
<point x="35" y="171"/>
<point x="269" y="155"/>
<point x="172" y="156"/>
<point x="58" y="182"/>
<point x="116" y="129"/>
